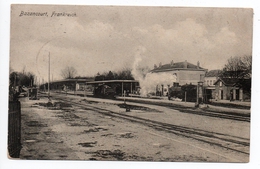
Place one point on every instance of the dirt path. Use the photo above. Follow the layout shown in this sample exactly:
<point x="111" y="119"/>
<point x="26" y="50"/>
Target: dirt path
<point x="76" y="134"/>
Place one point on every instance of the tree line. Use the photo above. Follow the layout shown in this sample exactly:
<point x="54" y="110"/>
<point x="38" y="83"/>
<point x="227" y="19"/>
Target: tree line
<point x="236" y="67"/>
<point x="124" y="74"/>
<point x="21" y="79"/>
<point x="70" y="72"/>
<point x="239" y="67"/>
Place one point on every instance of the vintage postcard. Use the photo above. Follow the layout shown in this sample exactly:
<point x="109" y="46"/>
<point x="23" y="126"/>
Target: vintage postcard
<point x="130" y="83"/>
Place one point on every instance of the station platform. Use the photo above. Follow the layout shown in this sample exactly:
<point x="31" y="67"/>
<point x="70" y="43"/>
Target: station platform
<point x="222" y="106"/>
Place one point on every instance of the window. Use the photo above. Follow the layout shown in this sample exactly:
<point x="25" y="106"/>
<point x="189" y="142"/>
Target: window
<point x="210" y="83"/>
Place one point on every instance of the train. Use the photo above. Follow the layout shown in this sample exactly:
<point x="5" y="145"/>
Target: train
<point x="104" y="91"/>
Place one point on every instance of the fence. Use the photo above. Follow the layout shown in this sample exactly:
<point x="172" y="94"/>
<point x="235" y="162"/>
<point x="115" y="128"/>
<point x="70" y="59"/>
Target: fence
<point x="14" y="129"/>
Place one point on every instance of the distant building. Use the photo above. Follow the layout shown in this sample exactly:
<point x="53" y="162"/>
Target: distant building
<point x="209" y="83"/>
<point x="67" y="84"/>
<point x="186" y="73"/>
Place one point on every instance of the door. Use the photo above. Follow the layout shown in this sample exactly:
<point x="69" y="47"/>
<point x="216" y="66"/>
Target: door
<point x="237" y="94"/>
<point x="220" y="94"/>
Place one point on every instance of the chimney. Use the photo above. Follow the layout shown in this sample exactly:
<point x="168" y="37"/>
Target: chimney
<point x="185" y="64"/>
<point x="160" y="64"/>
<point x="172" y="63"/>
<point x="198" y="65"/>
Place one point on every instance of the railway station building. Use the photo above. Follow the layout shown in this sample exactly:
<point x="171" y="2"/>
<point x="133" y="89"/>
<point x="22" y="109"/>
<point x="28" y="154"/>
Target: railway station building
<point x="185" y="72"/>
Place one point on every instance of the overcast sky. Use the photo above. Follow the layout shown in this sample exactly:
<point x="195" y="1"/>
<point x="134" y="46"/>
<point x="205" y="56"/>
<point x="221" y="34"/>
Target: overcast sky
<point x="107" y="38"/>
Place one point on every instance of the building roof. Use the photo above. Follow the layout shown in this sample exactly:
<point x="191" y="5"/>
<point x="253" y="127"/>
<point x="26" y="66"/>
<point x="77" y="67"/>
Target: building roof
<point x="227" y="81"/>
<point x="177" y="66"/>
<point x="74" y="80"/>
<point x="112" y="81"/>
<point x="213" y="73"/>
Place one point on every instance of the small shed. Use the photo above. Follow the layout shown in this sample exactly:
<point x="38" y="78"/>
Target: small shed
<point x="233" y="89"/>
<point x="225" y="89"/>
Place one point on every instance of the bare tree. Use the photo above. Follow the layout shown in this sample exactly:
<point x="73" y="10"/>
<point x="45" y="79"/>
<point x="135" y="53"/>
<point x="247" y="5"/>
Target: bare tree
<point x="238" y="67"/>
<point x="247" y="64"/>
<point x="68" y="72"/>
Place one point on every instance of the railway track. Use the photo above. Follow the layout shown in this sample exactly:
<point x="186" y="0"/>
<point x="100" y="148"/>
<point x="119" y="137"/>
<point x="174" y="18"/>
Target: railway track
<point x="216" y="114"/>
<point x="228" y="142"/>
<point x="203" y="112"/>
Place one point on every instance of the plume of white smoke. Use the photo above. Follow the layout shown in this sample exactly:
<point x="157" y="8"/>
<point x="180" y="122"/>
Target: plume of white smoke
<point x="148" y="81"/>
<point x="151" y="80"/>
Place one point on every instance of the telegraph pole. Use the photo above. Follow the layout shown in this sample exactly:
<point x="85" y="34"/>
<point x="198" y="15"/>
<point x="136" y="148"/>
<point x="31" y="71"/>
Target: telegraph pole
<point x="49" y="77"/>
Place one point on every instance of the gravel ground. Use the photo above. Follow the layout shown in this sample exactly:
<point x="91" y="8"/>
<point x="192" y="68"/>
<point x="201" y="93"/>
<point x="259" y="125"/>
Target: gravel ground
<point x="72" y="133"/>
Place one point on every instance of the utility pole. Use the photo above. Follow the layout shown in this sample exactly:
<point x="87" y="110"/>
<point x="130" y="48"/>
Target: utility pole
<point x="122" y="88"/>
<point x="197" y="99"/>
<point x="185" y="96"/>
<point x="35" y="81"/>
<point x="75" y="93"/>
<point x="49" y="77"/>
<point x="124" y="97"/>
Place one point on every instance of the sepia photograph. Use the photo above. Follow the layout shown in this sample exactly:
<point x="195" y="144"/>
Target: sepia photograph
<point x="130" y="83"/>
